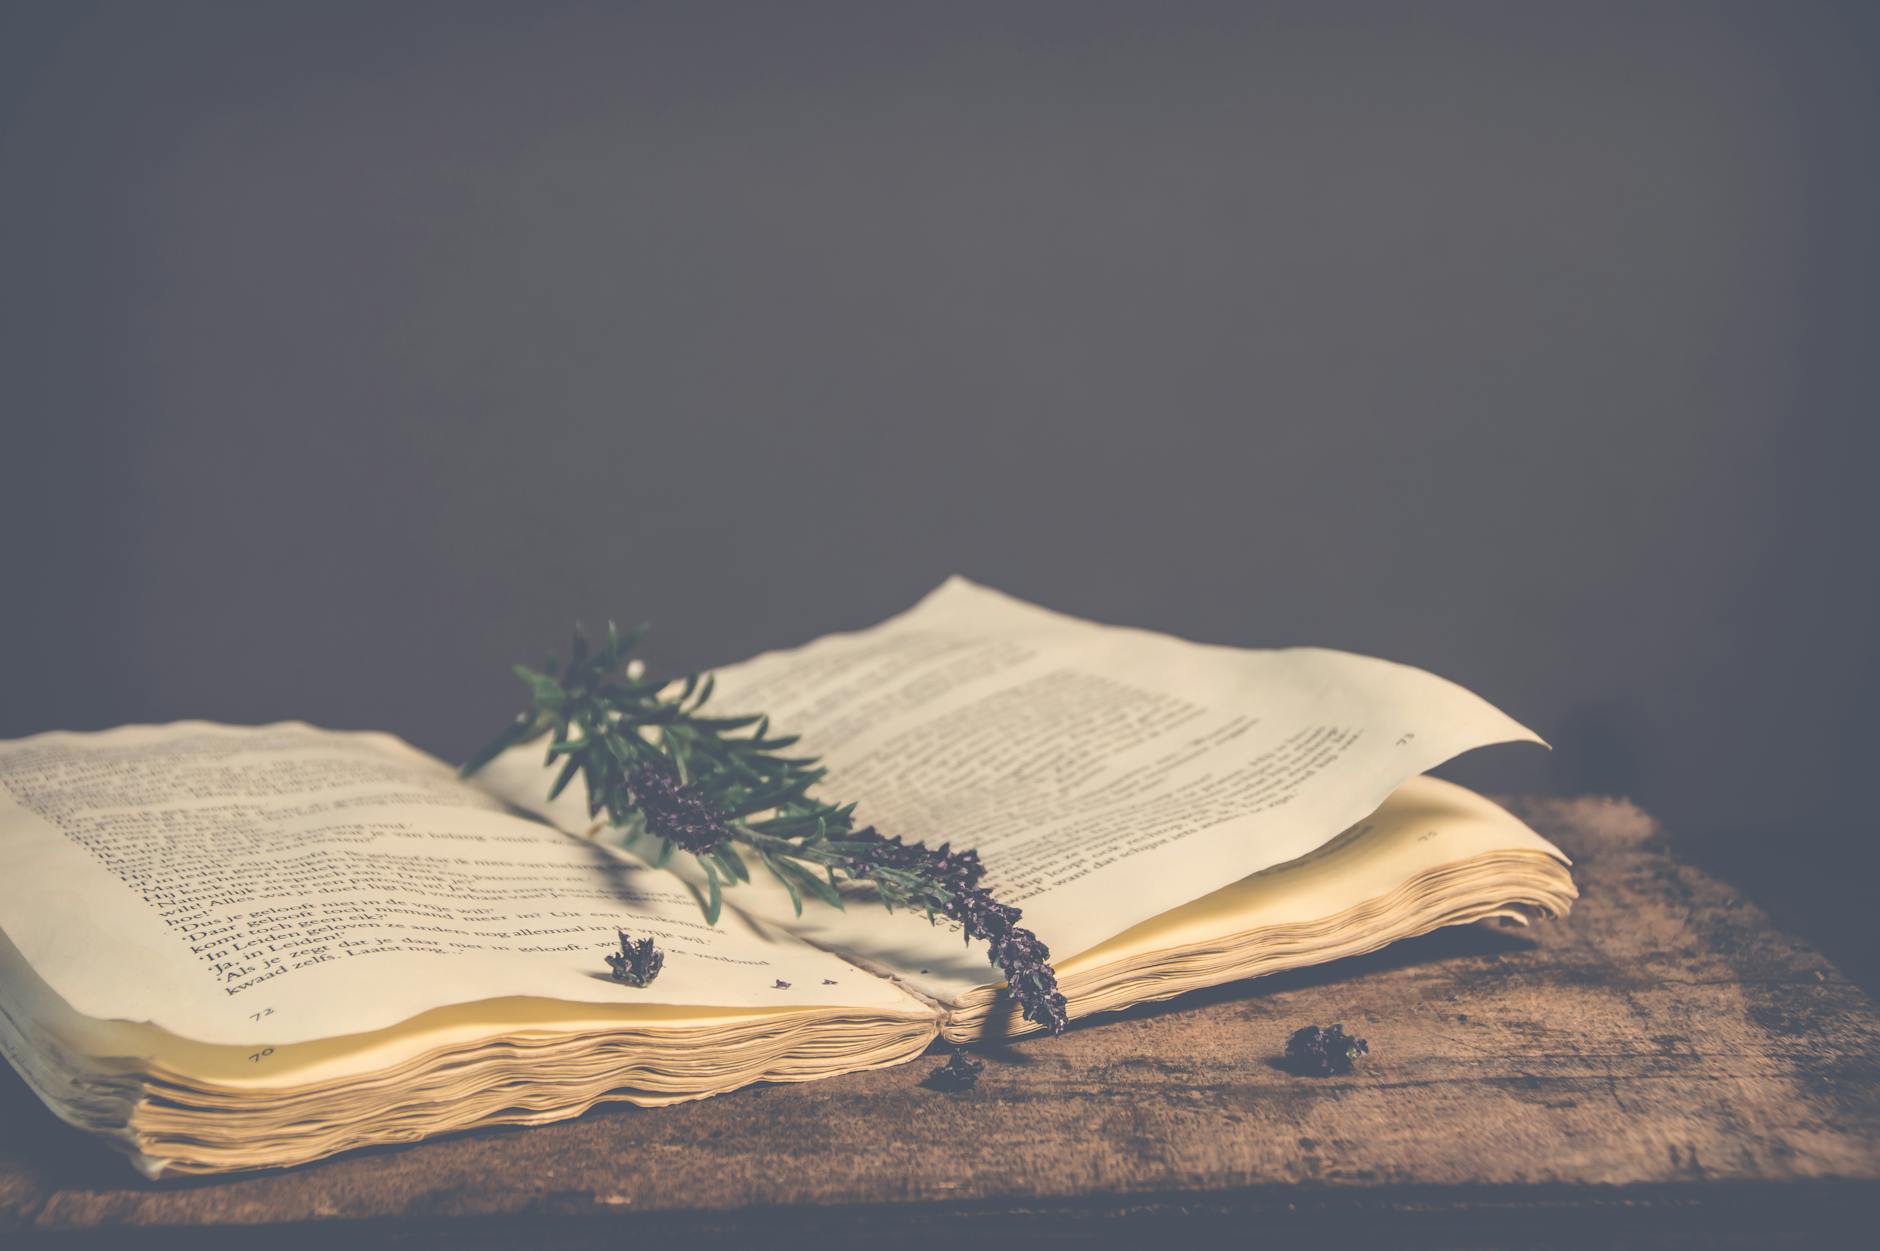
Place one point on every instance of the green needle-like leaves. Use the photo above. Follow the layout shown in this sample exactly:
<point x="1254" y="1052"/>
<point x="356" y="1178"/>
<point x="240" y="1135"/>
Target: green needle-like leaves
<point x="722" y="789"/>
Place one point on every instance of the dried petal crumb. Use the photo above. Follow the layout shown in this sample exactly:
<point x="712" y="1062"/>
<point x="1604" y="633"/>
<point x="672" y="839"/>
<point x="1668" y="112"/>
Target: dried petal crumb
<point x="1315" y="1052"/>
<point x="960" y="1072"/>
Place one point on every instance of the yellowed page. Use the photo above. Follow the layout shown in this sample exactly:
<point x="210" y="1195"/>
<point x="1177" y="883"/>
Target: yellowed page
<point x="1426" y="824"/>
<point x="282" y="884"/>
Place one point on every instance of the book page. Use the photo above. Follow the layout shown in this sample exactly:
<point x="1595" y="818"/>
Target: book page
<point x="283" y="883"/>
<point x="1105" y="775"/>
<point x="1435" y="854"/>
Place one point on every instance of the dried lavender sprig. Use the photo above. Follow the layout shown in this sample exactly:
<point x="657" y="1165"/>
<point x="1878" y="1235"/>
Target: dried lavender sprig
<point x="718" y="788"/>
<point x="675" y="812"/>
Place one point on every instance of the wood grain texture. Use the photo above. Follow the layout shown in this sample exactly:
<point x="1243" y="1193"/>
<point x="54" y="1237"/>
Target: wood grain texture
<point x="1662" y="1066"/>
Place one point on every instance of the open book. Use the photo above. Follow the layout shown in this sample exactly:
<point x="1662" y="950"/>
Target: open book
<point x="231" y="948"/>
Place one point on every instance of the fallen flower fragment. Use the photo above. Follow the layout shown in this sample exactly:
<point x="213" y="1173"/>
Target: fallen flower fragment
<point x="636" y="963"/>
<point x="1315" y="1052"/>
<point x="960" y="1072"/>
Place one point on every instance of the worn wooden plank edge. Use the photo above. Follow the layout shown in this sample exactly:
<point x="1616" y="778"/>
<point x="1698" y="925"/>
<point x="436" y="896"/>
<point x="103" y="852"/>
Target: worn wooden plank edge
<point x="1703" y="1213"/>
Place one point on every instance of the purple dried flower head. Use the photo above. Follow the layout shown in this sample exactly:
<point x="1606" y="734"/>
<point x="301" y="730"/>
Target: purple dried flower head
<point x="960" y="1072"/>
<point x="637" y="963"/>
<point x="953" y="879"/>
<point x="952" y="870"/>
<point x="1315" y="1052"/>
<point x="674" y="811"/>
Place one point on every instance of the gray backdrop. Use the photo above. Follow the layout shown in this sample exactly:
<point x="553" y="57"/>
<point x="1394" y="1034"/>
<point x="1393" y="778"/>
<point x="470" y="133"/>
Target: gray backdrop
<point x="351" y="352"/>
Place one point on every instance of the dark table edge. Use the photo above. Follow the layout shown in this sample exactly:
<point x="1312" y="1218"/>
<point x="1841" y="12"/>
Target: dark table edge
<point x="1710" y="1213"/>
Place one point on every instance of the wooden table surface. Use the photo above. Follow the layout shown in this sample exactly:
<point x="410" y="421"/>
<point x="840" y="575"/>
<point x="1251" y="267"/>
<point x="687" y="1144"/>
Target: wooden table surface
<point x="1663" y="1067"/>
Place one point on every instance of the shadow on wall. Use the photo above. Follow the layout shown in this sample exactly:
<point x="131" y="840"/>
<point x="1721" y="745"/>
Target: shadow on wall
<point x="1815" y="878"/>
<point x="1597" y="750"/>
